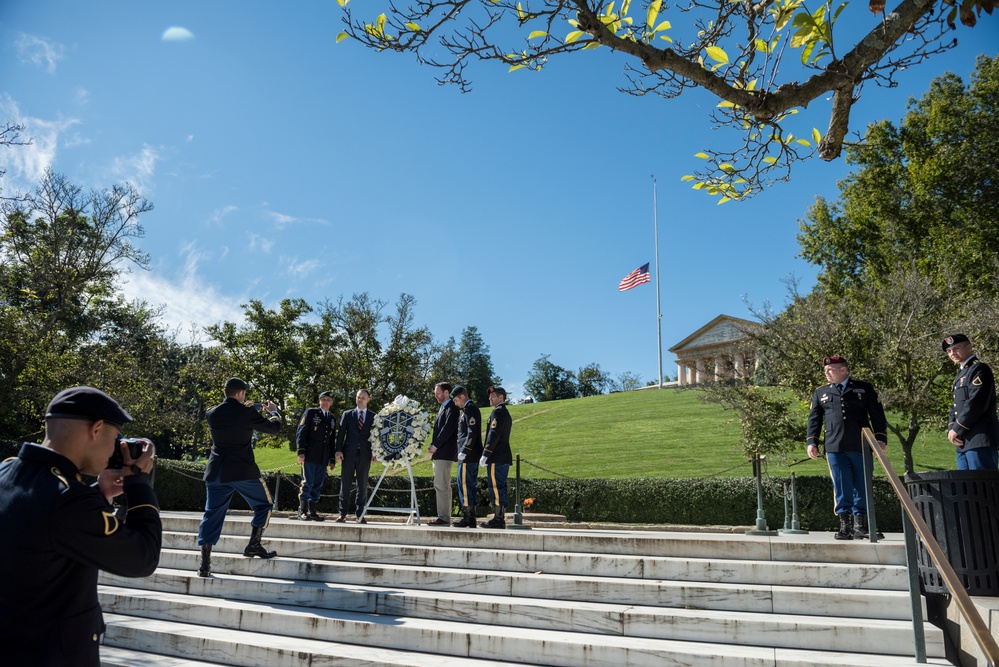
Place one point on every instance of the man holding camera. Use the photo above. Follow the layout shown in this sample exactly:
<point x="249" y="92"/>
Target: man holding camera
<point x="231" y="467"/>
<point x="58" y="532"/>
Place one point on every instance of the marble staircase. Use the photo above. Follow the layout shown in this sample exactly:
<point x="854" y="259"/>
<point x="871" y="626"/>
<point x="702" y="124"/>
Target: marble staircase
<point x="390" y="594"/>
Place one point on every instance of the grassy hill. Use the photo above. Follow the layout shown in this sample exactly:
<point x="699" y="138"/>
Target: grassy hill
<point x="649" y="433"/>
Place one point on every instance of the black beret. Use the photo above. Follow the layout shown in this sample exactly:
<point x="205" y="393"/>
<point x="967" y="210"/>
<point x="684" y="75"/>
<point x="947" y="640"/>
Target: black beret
<point x="326" y="394"/>
<point x="459" y="391"/>
<point x="497" y="390"/>
<point x="954" y="339"/>
<point x="236" y="383"/>
<point x="86" y="403"/>
<point x="834" y="359"/>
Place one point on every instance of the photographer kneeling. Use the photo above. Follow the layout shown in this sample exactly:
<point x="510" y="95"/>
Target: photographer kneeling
<point x="58" y="532"/>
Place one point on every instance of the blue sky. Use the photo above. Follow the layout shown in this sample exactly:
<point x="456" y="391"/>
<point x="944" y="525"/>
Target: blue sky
<point x="284" y="165"/>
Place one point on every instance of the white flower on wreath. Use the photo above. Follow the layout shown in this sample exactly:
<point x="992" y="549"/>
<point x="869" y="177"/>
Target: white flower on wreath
<point x="399" y="432"/>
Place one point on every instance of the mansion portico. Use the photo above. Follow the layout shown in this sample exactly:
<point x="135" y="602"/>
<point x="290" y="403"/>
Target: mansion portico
<point x="720" y="349"/>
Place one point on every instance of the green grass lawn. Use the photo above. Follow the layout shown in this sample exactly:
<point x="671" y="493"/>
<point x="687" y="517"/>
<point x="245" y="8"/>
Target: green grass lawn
<point x="649" y="433"/>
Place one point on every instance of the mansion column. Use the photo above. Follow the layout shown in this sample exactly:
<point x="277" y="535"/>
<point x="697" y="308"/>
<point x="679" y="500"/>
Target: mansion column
<point x="700" y="376"/>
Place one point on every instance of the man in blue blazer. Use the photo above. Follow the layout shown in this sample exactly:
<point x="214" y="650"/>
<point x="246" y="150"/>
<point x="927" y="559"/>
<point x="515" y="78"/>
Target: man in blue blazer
<point x="353" y="450"/>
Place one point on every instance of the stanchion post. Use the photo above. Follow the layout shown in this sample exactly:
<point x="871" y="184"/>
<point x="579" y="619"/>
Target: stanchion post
<point x="761" y="519"/>
<point x="518" y="517"/>
<point x="795" y="528"/>
<point x="277" y="486"/>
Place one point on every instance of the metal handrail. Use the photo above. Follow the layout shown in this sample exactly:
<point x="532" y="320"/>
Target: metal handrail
<point x="979" y="630"/>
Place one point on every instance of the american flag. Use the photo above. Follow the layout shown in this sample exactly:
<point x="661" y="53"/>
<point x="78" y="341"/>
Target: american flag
<point x="635" y="278"/>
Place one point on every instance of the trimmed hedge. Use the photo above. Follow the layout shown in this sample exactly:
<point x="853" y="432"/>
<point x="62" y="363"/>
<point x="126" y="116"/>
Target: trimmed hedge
<point x="728" y="501"/>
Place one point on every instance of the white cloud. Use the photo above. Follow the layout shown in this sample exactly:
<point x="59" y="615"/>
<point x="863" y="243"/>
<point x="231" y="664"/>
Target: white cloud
<point x="137" y="169"/>
<point x="188" y="301"/>
<point x="261" y="243"/>
<point x="298" y="269"/>
<point x="81" y="97"/>
<point x="177" y="34"/>
<point x="26" y="164"/>
<point x="282" y="220"/>
<point x="215" y="219"/>
<point x="39" y="52"/>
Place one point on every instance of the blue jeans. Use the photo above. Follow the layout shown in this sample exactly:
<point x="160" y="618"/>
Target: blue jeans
<point x="847" y="471"/>
<point x="254" y="492"/>
<point x="313" y="477"/>
<point x="496" y="474"/>
<point x="468" y="473"/>
<point x="984" y="458"/>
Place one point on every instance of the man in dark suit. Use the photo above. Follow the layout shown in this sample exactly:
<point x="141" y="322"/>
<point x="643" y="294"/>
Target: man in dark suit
<point x="353" y="450"/>
<point x="973" y="427"/>
<point x="846" y="405"/>
<point x="469" y="451"/>
<point x="316" y="432"/>
<point x="231" y="467"/>
<point x="444" y="451"/>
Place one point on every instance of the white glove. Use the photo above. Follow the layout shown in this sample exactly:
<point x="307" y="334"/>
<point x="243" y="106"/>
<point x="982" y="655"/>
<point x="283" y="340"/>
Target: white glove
<point x="461" y="456"/>
<point x="482" y="461"/>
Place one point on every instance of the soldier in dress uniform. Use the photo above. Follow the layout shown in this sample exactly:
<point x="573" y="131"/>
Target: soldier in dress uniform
<point x="973" y="427"/>
<point x="846" y="405"/>
<point x="469" y="451"/>
<point x="58" y="532"/>
<point x="496" y="455"/>
<point x="232" y="468"/>
<point x="316" y="434"/>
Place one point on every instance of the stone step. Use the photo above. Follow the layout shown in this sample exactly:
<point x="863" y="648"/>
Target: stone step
<point x="178" y="643"/>
<point x="716" y="570"/>
<point x="760" y="598"/>
<point x="114" y="656"/>
<point x="289" y="626"/>
<point x="811" y="548"/>
<point x="777" y="630"/>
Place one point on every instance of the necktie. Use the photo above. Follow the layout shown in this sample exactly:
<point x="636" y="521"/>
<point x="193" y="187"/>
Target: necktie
<point x="360" y="419"/>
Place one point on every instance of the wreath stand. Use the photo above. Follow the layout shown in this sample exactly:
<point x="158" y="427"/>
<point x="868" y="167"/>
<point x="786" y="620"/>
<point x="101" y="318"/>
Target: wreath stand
<point x="413" y="510"/>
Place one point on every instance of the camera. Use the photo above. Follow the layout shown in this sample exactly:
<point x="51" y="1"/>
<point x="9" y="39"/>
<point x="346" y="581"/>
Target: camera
<point x="117" y="461"/>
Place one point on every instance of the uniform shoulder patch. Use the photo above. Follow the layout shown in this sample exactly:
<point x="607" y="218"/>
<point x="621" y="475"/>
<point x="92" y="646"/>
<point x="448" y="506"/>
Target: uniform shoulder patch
<point x="110" y="523"/>
<point x="471" y="421"/>
<point x="977" y="381"/>
<point x="493" y="423"/>
<point x="58" y="473"/>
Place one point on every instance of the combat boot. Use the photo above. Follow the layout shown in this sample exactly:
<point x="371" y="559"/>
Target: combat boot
<point x="468" y="521"/>
<point x="303" y="511"/>
<point x="255" y="548"/>
<point x="312" y="512"/>
<point x="497" y="520"/>
<point x="861" y="531"/>
<point x="845" y="527"/>
<point x="205" y="569"/>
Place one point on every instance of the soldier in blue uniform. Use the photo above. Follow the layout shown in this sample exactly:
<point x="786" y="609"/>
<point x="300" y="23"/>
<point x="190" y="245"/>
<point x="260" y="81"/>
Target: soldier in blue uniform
<point x="316" y="433"/>
<point x="973" y="427"/>
<point x="846" y="405"/>
<point x="58" y="532"/>
<point x="232" y="468"/>
<point x="469" y="451"/>
<point x="496" y="455"/>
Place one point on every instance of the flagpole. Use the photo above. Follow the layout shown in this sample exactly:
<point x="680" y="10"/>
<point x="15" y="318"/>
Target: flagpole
<point x="659" y="315"/>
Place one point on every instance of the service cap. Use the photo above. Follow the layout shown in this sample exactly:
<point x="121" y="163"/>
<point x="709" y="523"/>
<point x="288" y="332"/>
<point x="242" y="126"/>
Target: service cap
<point x="497" y="390"/>
<point x="833" y="359"/>
<point x="236" y="383"/>
<point x="86" y="403"/>
<point x="954" y="339"/>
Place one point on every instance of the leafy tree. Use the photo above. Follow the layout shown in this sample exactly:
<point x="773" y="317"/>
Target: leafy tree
<point x="352" y="348"/>
<point x="764" y="61"/>
<point x="628" y="381"/>
<point x="266" y="352"/>
<point x="61" y="252"/>
<point x="768" y="419"/>
<point x="549" y="382"/>
<point x="592" y="381"/>
<point x="475" y="366"/>
<point x="406" y="363"/>
<point x="924" y="190"/>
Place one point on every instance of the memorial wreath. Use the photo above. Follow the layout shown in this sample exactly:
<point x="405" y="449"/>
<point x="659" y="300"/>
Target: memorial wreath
<point x="400" y="429"/>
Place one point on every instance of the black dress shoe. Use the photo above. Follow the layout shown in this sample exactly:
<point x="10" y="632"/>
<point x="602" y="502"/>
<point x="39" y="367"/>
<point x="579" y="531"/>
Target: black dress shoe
<point x="438" y="522"/>
<point x="340" y="519"/>
<point x="361" y="519"/>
